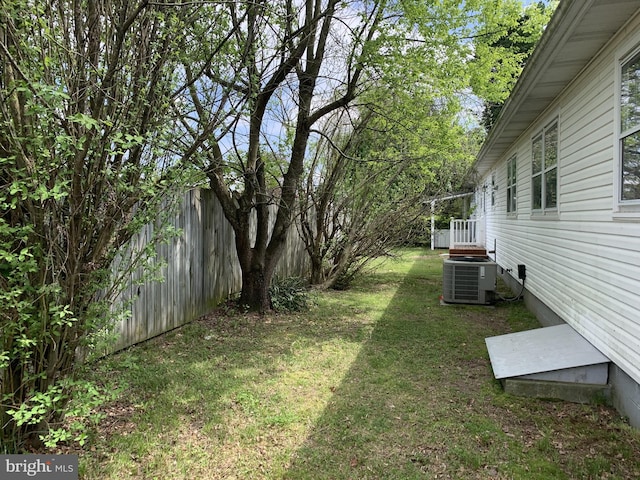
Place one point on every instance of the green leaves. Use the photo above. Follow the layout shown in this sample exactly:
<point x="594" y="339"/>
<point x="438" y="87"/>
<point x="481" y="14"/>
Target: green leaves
<point x="4" y="359"/>
<point x="122" y="142"/>
<point x="289" y="295"/>
<point x="84" y="120"/>
<point x="506" y="39"/>
<point x="81" y="409"/>
<point x="85" y="160"/>
<point x="37" y="407"/>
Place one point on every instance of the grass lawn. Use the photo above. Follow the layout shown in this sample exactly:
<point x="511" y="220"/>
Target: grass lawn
<point x="377" y="382"/>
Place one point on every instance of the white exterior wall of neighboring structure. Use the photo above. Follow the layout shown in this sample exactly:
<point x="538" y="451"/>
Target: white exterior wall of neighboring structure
<point x="583" y="261"/>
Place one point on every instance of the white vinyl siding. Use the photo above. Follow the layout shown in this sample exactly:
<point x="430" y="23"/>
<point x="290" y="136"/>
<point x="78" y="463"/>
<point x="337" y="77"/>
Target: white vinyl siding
<point x="585" y="264"/>
<point x="587" y="133"/>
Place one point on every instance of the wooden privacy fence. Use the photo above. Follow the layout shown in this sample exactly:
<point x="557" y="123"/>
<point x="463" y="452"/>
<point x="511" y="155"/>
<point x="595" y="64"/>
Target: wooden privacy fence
<point x="201" y="270"/>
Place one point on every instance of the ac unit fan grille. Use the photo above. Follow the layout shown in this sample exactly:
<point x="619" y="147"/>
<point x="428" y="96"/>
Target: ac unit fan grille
<point x="466" y="283"/>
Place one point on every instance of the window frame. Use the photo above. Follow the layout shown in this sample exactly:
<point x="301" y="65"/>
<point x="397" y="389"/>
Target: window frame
<point x="630" y="207"/>
<point x="545" y="170"/>
<point x="512" y="185"/>
<point x="493" y="188"/>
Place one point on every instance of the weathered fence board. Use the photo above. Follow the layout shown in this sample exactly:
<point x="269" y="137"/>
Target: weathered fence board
<point x="200" y="270"/>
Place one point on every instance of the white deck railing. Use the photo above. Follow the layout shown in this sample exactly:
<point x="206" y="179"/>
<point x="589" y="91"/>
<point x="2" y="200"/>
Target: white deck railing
<point x="466" y="232"/>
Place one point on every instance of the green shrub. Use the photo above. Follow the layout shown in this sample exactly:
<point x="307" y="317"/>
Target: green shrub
<point x="289" y="295"/>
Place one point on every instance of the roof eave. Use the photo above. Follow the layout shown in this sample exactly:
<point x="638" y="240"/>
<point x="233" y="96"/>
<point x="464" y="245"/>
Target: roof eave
<point x="514" y="118"/>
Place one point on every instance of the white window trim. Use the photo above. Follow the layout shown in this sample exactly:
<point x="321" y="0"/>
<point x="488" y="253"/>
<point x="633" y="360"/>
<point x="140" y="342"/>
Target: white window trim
<point x="545" y="213"/>
<point x="493" y="194"/>
<point x="622" y="209"/>
<point x="512" y="213"/>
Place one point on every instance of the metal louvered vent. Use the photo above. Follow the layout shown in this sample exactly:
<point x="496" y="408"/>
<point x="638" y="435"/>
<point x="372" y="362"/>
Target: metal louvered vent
<point x="469" y="280"/>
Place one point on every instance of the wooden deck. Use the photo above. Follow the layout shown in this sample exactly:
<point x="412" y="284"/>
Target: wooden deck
<point x="467" y="251"/>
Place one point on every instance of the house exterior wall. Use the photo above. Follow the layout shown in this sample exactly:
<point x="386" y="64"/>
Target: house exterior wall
<point x="582" y="261"/>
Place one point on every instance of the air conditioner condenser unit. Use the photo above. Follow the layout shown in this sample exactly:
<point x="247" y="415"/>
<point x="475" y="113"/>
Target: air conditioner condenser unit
<point x="469" y="280"/>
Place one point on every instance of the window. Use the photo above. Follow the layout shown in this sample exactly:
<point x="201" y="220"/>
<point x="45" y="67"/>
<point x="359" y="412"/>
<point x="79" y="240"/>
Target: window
<point x="630" y="130"/>
<point x="511" y="185"/>
<point x="493" y="189"/>
<point x="544" y="169"/>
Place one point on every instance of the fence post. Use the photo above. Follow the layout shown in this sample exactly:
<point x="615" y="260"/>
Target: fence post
<point x="452" y="233"/>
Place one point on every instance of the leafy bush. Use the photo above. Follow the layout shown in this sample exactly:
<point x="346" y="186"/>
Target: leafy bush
<point x="289" y="295"/>
<point x="83" y="166"/>
<point x="80" y="411"/>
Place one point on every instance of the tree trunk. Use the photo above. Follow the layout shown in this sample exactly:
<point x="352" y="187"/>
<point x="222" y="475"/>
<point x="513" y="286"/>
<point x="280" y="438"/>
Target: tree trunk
<point x="257" y="268"/>
<point x="317" y="273"/>
<point x="257" y="263"/>
<point x="301" y="56"/>
<point x="255" y="290"/>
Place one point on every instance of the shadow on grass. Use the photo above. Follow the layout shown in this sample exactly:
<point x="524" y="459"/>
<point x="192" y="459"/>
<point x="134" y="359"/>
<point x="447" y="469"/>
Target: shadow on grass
<point x="409" y="391"/>
<point x="205" y="397"/>
<point x="420" y="401"/>
<point x="397" y="387"/>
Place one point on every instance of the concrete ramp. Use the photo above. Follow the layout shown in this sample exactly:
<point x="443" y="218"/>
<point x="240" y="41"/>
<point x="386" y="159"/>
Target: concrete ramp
<point x="552" y="362"/>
